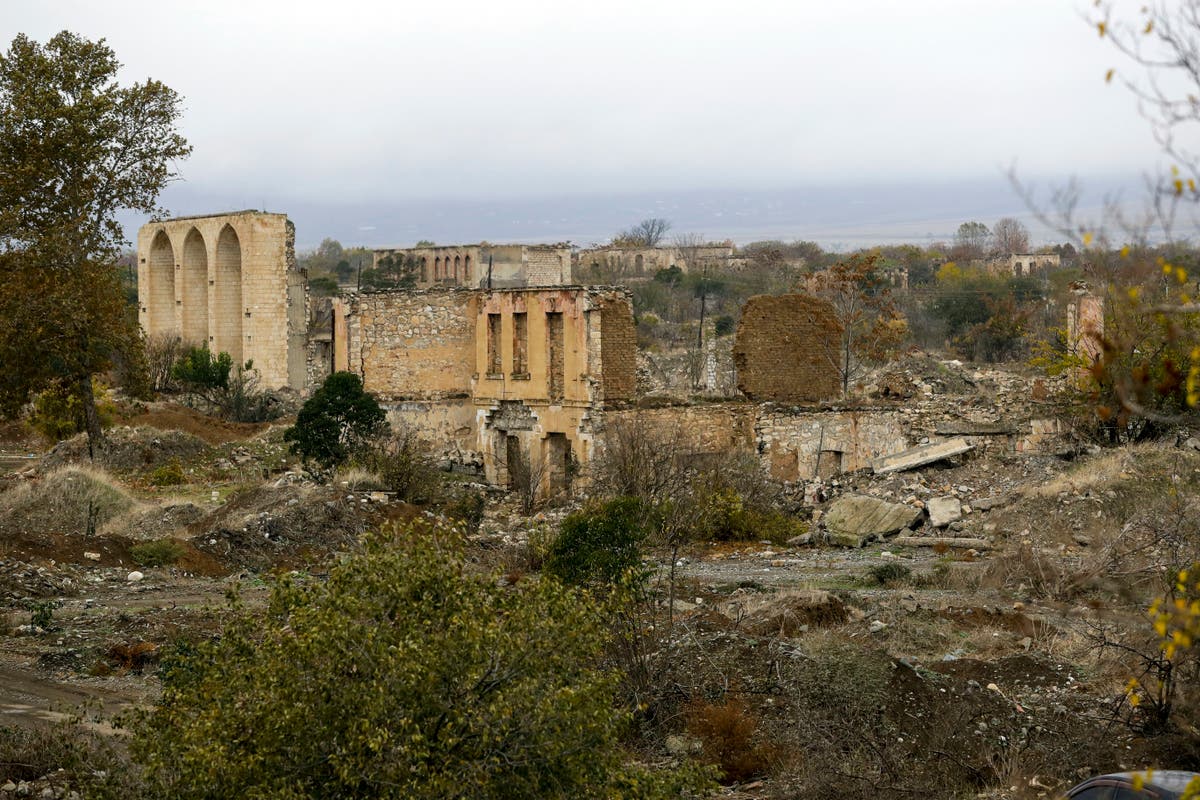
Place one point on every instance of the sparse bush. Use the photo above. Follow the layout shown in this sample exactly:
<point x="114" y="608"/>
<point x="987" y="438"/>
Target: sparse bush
<point x="599" y="544"/>
<point x="339" y="420"/>
<point x="890" y="574"/>
<point x="41" y="613"/>
<point x="728" y="518"/>
<point x="724" y="325"/>
<point x="93" y="763"/>
<point x="727" y="733"/>
<point x="158" y="553"/>
<point x="411" y="677"/>
<point x="403" y="466"/>
<point x="231" y="393"/>
<point x="163" y="352"/>
<point x="465" y="505"/>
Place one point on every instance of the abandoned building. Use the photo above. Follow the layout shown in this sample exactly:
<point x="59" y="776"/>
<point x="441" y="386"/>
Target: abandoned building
<point x="643" y="262"/>
<point x="497" y="266"/>
<point x="228" y="281"/>
<point x="508" y="383"/>
<point x="1023" y="264"/>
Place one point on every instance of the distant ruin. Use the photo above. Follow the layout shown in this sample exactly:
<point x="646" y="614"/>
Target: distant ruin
<point x="482" y="266"/>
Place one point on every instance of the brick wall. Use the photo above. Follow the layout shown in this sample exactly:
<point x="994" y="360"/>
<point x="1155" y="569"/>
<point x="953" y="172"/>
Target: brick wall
<point x="618" y="349"/>
<point x="786" y="349"/>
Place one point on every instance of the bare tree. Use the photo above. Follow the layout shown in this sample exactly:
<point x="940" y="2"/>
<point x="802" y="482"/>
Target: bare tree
<point x="647" y="233"/>
<point x="972" y="238"/>
<point x="1011" y="236"/>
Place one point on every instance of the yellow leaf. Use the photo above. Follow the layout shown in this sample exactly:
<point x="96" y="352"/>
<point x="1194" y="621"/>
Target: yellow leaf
<point x="1108" y="76"/>
<point x="1087" y="238"/>
<point x="1125" y="251"/>
<point x="1149" y="26"/>
<point x="1102" y="27"/>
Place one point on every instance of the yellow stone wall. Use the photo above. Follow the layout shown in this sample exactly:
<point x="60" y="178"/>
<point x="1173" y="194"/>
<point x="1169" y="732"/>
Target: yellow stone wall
<point x="222" y="280"/>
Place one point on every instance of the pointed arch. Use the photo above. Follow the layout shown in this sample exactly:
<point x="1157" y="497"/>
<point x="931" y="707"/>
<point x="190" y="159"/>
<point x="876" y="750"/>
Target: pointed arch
<point x="194" y="277"/>
<point x="227" y="308"/>
<point x="457" y="269"/>
<point x="160" y="293"/>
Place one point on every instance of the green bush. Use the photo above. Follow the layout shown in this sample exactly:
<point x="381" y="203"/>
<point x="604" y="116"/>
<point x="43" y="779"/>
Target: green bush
<point x="599" y="544"/>
<point x="58" y="411"/>
<point x="337" y="421"/>
<point x="402" y="465"/>
<point x="158" y="553"/>
<point x="409" y="676"/>
<point x="729" y="518"/>
<point x="169" y="474"/>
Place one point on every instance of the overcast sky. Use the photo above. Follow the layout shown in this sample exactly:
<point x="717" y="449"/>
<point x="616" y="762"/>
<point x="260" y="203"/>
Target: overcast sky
<point x="354" y="103"/>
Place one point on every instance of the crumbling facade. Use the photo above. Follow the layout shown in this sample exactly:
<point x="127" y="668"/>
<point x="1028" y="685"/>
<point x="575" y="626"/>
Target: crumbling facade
<point x="1023" y="264"/>
<point x="228" y="281"/>
<point x="506" y="382"/>
<point x="498" y="266"/>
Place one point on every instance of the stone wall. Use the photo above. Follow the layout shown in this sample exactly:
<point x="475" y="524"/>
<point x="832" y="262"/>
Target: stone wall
<point x="413" y="345"/>
<point x="802" y="445"/>
<point x="228" y="281"/>
<point x="787" y="349"/>
<point x="618" y="349"/>
<point x="511" y="265"/>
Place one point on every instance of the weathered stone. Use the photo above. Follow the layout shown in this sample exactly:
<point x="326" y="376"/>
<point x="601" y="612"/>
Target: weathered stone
<point x="942" y="541"/>
<point x="852" y="520"/>
<point x="943" y="511"/>
<point x="919" y="456"/>
<point x="774" y="352"/>
<point x="134" y="576"/>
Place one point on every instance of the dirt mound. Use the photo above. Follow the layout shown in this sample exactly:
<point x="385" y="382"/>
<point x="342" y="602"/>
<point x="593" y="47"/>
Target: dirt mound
<point x="214" y="431"/>
<point x="156" y="522"/>
<point x="129" y="449"/>
<point x="785" y="613"/>
<point x="73" y="501"/>
<point x="270" y="527"/>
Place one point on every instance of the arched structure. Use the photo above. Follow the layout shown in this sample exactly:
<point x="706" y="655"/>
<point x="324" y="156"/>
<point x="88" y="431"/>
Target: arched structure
<point x="227" y="279"/>
<point x="194" y="294"/>
<point x="160" y="299"/>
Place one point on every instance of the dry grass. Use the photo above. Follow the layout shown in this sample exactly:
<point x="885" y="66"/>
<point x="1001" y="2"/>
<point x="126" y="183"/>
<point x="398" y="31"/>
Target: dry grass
<point x="71" y="500"/>
<point x="1109" y="469"/>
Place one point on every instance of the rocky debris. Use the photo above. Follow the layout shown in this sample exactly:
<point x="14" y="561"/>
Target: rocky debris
<point x="852" y="520"/>
<point x="919" y="456"/>
<point x="943" y="510"/>
<point x="158" y="521"/>
<point x="20" y="580"/>
<point x="784" y="613"/>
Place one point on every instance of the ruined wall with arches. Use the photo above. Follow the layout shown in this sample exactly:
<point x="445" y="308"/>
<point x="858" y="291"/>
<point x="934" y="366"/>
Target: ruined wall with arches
<point x="228" y="281"/>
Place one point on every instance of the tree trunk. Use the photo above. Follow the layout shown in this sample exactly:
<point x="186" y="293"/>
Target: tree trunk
<point x="91" y="417"/>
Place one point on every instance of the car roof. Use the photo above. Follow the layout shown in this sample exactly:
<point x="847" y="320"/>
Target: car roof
<point x="1171" y="780"/>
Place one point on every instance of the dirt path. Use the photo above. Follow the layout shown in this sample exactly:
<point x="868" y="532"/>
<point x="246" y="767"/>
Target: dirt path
<point x="28" y="697"/>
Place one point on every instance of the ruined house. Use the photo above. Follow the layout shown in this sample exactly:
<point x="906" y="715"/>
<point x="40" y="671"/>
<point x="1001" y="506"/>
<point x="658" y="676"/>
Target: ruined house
<point x="497" y="266"/>
<point x="1024" y="264"/>
<point x="228" y="281"/>
<point x="644" y="262"/>
<point x="507" y="383"/>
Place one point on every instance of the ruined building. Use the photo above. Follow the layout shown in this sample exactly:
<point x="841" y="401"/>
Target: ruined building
<point x="482" y="265"/>
<point x="509" y="382"/>
<point x="643" y="262"/>
<point x="228" y="281"/>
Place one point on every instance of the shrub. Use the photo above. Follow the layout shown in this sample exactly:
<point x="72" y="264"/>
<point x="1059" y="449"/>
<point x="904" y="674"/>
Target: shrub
<point x="158" y="553"/>
<point x="599" y="544"/>
<point x="727" y="737"/>
<point x="724" y="325"/>
<point x="890" y="573"/>
<point x="410" y="677"/>
<point x="58" y="411"/>
<point x="231" y="393"/>
<point x="169" y="474"/>
<point x="337" y="421"/>
<point x="402" y="465"/>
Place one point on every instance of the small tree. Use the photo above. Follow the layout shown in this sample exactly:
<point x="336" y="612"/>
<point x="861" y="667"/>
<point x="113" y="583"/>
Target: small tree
<point x="409" y="676"/>
<point x="340" y="418"/>
<point x="647" y="233"/>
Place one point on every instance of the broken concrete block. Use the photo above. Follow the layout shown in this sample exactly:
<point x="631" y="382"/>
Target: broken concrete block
<point x="919" y="456"/>
<point x="943" y="511"/>
<point x="855" y="519"/>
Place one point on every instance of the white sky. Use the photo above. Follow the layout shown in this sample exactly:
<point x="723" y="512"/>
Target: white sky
<point x="352" y="101"/>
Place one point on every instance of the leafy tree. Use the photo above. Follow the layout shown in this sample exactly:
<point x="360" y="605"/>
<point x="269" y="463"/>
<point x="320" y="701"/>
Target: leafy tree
<point x="339" y="418"/>
<point x="202" y="372"/>
<point x="323" y="286"/>
<point x="973" y="237"/>
<point x="76" y="149"/>
<point x="406" y="674"/>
